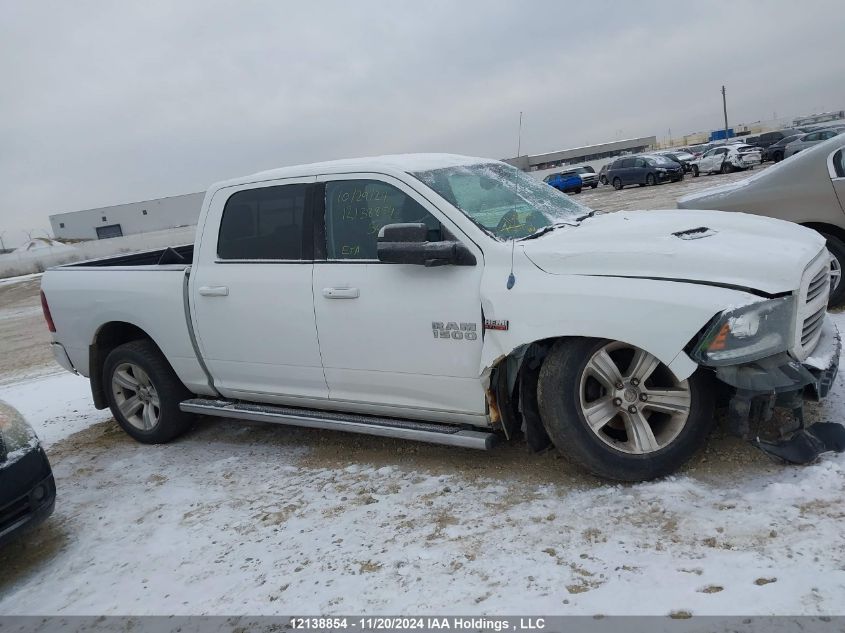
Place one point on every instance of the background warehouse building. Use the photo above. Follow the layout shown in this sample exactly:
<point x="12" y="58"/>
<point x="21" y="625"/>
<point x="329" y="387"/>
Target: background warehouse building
<point x="128" y="219"/>
<point x="580" y="155"/>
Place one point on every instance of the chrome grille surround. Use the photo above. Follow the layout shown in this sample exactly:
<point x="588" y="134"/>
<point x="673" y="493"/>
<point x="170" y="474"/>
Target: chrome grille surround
<point x="812" y="306"/>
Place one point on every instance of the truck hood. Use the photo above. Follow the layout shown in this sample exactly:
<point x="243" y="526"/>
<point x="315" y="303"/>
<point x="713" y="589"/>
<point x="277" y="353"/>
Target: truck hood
<point x="709" y="247"/>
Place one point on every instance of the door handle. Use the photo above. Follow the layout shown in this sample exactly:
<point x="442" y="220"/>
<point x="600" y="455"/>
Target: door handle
<point x="214" y="291"/>
<point x="341" y="293"/>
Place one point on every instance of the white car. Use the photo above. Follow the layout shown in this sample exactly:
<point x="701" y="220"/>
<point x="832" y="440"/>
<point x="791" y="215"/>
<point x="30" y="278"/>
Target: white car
<point x="452" y="299"/>
<point x="727" y="158"/>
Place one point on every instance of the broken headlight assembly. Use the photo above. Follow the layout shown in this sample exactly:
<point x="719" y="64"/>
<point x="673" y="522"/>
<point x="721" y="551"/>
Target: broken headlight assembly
<point x="748" y="333"/>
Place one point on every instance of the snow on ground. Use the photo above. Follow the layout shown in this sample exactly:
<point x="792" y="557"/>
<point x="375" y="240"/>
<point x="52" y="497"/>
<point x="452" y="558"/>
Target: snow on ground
<point x="19" y="279"/>
<point x="55" y="405"/>
<point x="262" y="519"/>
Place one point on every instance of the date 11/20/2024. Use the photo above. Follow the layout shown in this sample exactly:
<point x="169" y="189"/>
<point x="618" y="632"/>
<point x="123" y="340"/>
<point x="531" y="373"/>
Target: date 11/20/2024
<point x="429" y="623"/>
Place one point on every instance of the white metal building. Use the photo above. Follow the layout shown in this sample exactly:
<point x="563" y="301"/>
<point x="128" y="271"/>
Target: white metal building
<point x="128" y="219"/>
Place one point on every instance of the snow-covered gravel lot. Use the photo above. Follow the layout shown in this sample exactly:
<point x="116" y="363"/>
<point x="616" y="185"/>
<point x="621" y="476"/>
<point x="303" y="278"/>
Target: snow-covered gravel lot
<point x="261" y="519"/>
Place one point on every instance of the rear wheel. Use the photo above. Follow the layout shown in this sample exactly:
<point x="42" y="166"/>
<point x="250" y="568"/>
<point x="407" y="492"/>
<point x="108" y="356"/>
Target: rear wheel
<point x="144" y="393"/>
<point x="594" y="185"/>
<point x="650" y="180"/>
<point x="617" y="183"/>
<point x="837" y="288"/>
<point x="619" y="412"/>
<point x="777" y="157"/>
<point x="695" y="171"/>
<point x="578" y="190"/>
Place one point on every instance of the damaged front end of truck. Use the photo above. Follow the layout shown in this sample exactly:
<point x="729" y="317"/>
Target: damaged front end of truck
<point x="750" y="351"/>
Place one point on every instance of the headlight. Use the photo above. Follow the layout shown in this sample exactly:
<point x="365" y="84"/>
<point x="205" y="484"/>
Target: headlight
<point x="660" y="170"/>
<point x="747" y="333"/>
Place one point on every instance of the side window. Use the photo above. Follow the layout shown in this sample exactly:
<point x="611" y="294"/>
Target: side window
<point x="265" y="223"/>
<point x="811" y="137"/>
<point x="839" y="163"/>
<point x="722" y="151"/>
<point x="356" y="210"/>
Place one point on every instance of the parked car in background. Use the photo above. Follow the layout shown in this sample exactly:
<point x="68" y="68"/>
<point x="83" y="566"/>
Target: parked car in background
<point x="775" y="151"/>
<point x="699" y="150"/>
<point x="726" y="159"/>
<point x="643" y="171"/>
<point x="767" y="139"/>
<point x="589" y="177"/>
<point x="810" y="139"/>
<point x="27" y="488"/>
<point x="565" y="181"/>
<point x="808" y="189"/>
<point x="603" y="172"/>
<point x="684" y="159"/>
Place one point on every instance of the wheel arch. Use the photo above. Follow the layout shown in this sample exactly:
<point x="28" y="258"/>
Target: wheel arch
<point x="107" y="337"/>
<point x="823" y="227"/>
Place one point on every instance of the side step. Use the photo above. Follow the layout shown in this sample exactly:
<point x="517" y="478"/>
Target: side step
<point x="365" y="424"/>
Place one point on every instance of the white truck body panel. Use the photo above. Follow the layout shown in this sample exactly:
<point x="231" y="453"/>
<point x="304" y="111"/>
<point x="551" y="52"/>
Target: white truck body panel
<point x="362" y="337"/>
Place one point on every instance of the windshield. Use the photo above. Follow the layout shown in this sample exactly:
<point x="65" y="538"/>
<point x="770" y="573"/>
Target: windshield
<point x="502" y="200"/>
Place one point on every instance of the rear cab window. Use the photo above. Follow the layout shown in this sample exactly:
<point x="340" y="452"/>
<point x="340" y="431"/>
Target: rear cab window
<point x="266" y="223"/>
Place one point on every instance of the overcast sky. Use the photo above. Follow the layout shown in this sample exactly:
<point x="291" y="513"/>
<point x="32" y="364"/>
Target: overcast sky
<point x="110" y="102"/>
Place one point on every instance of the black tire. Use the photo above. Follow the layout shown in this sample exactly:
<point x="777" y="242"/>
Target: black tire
<point x="171" y="421"/>
<point x="578" y="190"/>
<point x="837" y="249"/>
<point x="726" y="168"/>
<point x="593" y="186"/>
<point x="695" y="172"/>
<point x="777" y="157"/>
<point x="560" y="409"/>
<point x="650" y="180"/>
<point x="603" y="180"/>
<point x="617" y="184"/>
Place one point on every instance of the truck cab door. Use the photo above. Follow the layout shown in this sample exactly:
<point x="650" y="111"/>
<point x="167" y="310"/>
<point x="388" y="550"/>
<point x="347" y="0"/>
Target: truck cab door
<point x="250" y="293"/>
<point x="402" y="339"/>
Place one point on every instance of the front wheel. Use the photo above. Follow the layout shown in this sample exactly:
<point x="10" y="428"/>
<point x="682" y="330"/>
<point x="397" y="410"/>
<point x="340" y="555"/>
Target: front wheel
<point x="649" y="180"/>
<point x="726" y="168"/>
<point x="144" y="393"/>
<point x="620" y="413"/>
<point x="695" y="172"/>
<point x="593" y="186"/>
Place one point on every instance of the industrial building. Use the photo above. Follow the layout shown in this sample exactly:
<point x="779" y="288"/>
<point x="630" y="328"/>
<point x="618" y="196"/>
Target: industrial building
<point x="578" y="155"/>
<point x="128" y="219"/>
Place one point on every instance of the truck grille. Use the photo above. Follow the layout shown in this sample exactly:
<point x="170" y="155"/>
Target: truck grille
<point x="812" y="305"/>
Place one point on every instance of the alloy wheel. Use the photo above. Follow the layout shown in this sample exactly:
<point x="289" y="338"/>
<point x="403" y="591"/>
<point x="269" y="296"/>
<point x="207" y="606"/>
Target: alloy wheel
<point x="136" y="396"/>
<point x="631" y="401"/>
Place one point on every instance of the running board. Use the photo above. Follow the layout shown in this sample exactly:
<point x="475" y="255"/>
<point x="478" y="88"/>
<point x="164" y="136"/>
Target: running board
<point x="365" y="424"/>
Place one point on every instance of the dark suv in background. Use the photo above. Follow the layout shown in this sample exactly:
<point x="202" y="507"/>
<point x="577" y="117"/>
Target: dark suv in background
<point x="643" y="170"/>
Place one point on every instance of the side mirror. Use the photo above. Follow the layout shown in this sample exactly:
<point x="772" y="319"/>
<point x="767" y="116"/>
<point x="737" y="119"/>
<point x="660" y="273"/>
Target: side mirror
<point x="407" y="244"/>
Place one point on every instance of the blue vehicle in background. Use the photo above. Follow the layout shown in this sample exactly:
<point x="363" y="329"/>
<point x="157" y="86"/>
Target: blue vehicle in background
<point x="565" y="182"/>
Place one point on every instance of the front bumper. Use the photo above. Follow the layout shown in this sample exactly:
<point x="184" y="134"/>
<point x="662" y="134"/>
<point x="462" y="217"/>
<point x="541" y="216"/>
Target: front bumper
<point x="782" y="382"/>
<point x="27" y="493"/>
<point x="671" y="176"/>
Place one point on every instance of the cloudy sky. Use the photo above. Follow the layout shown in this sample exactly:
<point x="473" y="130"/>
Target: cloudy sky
<point x="110" y="102"/>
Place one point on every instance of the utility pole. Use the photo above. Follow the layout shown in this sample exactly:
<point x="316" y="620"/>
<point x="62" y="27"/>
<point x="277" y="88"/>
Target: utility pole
<point x="519" y="137"/>
<point x="725" y="109"/>
<point x="2" y="245"/>
<point x="670" y="137"/>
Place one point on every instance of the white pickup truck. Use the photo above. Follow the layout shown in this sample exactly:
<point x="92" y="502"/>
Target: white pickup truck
<point x="456" y="300"/>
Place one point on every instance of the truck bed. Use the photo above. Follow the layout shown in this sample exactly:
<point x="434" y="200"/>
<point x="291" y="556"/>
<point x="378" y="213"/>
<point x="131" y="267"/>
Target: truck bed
<point x="170" y="256"/>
